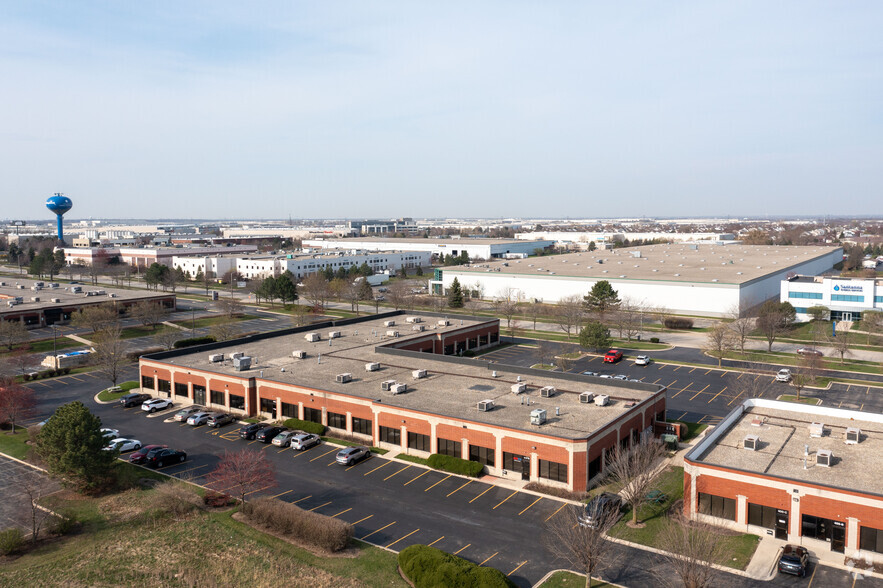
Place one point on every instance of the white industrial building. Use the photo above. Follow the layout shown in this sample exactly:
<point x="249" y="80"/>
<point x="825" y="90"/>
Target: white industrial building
<point x="602" y="240"/>
<point x="303" y="265"/>
<point x="845" y="298"/>
<point x="475" y="248"/>
<point x="212" y="266"/>
<point x="143" y="257"/>
<point x="699" y="279"/>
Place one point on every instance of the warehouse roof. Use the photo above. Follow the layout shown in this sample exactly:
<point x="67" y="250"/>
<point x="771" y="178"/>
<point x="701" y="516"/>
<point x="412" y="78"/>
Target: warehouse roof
<point x="419" y="241"/>
<point x="11" y="288"/>
<point x="451" y="388"/>
<point x="680" y="262"/>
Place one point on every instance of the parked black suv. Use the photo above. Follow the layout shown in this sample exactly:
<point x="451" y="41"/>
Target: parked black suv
<point x="134" y="399"/>
<point x="249" y="431"/>
<point x="266" y="435"/>
<point x="794" y="560"/>
<point x="599" y="508"/>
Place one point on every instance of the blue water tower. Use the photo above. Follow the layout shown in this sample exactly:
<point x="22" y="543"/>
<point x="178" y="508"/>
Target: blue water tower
<point x="59" y="204"/>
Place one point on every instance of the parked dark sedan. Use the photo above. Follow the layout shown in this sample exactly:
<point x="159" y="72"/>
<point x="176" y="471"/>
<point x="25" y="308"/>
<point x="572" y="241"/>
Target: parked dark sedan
<point x="794" y="560"/>
<point x="600" y="510"/>
<point x="266" y="435"/>
<point x="219" y="419"/>
<point x="140" y="456"/>
<point x="134" y="399"/>
<point x="249" y="431"/>
<point x="158" y="458"/>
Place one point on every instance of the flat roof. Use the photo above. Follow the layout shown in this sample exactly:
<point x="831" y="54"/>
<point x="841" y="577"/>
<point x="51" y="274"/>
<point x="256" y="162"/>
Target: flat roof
<point x="418" y="240"/>
<point x="681" y="262"/>
<point x="783" y="429"/>
<point x="452" y="388"/>
<point x="11" y="289"/>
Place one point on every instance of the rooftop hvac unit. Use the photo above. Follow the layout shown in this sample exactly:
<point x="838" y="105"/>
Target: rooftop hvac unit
<point x="372" y="367"/>
<point x="312" y="337"/>
<point x="486" y="405"/>
<point x="20" y="286"/>
<point x="240" y="364"/>
<point x="519" y="388"/>
<point x="216" y="357"/>
<point x="2" y="283"/>
<point x="399" y="388"/>
<point x="389" y="323"/>
<point x="548" y="391"/>
<point x="586" y="397"/>
<point x="538" y="416"/>
<point x="414" y="319"/>
<point x="298" y="354"/>
<point x="444" y="323"/>
<point x="853" y="435"/>
<point x="751" y="442"/>
<point x="56" y="300"/>
<point x="392" y="333"/>
<point x="343" y="378"/>
<point x="418" y="374"/>
<point x="824" y="458"/>
<point x="236" y="355"/>
<point x="53" y="285"/>
<point x="334" y="334"/>
<point x="387" y="385"/>
<point x="816" y="430"/>
<point x="111" y="295"/>
<point x="35" y="299"/>
<point x="418" y="328"/>
<point x="602" y="400"/>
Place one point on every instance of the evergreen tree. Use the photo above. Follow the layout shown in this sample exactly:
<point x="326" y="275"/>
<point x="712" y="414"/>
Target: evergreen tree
<point x="419" y="271"/>
<point x="455" y="294"/>
<point x="286" y="289"/>
<point x="594" y="336"/>
<point x="602" y="298"/>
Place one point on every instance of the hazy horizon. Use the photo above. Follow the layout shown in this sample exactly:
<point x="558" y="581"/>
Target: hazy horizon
<point x="353" y="110"/>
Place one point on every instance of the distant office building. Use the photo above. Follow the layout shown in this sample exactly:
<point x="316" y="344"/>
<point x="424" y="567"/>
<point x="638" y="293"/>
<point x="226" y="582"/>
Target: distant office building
<point x="303" y="265"/>
<point x="380" y="227"/>
<point x="845" y="298"/>
<point x="143" y="257"/>
<point x="475" y="248"/>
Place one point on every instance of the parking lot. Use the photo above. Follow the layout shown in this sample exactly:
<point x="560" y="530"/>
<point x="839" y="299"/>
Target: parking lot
<point x="15" y="510"/>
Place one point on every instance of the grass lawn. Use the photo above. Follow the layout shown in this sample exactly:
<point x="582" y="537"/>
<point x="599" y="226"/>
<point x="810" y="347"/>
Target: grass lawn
<point x="693" y="429"/>
<point x="571" y="580"/>
<point x="132" y="332"/>
<point x="45" y="346"/>
<point x="119" y="525"/>
<point x="542" y="366"/>
<point x="803" y="400"/>
<point x="867" y="367"/>
<point x="14" y="445"/>
<point x="575" y="355"/>
<point x="210" y="321"/>
<point x="413" y="459"/>
<point x="346" y="443"/>
<point x="126" y="387"/>
<point x="740" y="547"/>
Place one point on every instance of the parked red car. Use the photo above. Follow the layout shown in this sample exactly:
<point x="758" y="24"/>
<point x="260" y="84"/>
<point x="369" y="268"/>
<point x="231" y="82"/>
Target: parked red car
<point x="613" y="356"/>
<point x="140" y="456"/>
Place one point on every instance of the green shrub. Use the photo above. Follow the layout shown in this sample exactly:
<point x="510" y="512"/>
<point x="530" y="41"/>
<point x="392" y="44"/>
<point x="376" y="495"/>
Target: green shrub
<point x="654" y="339"/>
<point x="455" y="465"/>
<point x="289" y="519"/>
<point x="677" y="322"/>
<point x="305" y="426"/>
<point x="194" y="341"/>
<point x="428" y="567"/>
<point x="11" y="541"/>
<point x="65" y="524"/>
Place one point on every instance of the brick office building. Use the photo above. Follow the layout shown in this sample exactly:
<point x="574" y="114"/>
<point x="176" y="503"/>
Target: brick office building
<point x="350" y="379"/>
<point x="806" y="474"/>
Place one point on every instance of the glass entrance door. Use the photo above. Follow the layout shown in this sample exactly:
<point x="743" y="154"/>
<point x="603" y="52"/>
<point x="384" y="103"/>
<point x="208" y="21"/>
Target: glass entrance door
<point x="525" y="468"/>
<point x="781" y="524"/>
<point x="845" y="316"/>
<point x="838" y="537"/>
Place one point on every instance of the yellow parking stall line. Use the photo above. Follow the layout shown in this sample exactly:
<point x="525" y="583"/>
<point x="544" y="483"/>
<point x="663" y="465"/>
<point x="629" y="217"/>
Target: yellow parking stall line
<point x="361" y="520"/>
<point x="41" y="384"/>
<point x="505" y="499"/>
<point x="482" y="494"/>
<point x="420" y="476"/>
<point x="556" y="512"/>
<point x="304" y="452"/>
<point x="62" y="380"/>
<point x="250" y="442"/>
<point x="284" y="449"/>
<point x="723" y="373"/>
<point x="740" y="375"/>
<point x="191" y="469"/>
<point x="488" y="559"/>
<point x="397" y="473"/>
<point x="716" y="395"/>
<point x="462" y="548"/>
<point x="282" y="494"/>
<point x="302" y="499"/>
<point x="708" y="372"/>
<point x="324" y="454"/>
<point x="258" y="490"/>
<point x="341" y="512"/>
<point x="378" y="530"/>
<point x="436" y="541"/>
<point x="700" y="392"/>
<point x="657" y="381"/>
<point x="841" y="404"/>
<point x="360" y="462"/>
<point x="862" y="407"/>
<point x="437" y="483"/>
<point x="692" y="370"/>
<point x="320" y="506"/>
<point x="405" y="537"/>
<point x="516" y="569"/>
<point x="383" y="465"/>
<point x="811" y="578"/>
<point x="460" y="488"/>
<point x="531" y="504"/>
<point x="672" y="384"/>
<point x="734" y="399"/>
<point x="677" y="368"/>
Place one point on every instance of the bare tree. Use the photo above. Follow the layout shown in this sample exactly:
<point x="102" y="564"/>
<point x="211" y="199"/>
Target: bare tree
<point x="148" y="313"/>
<point x="570" y="313"/>
<point x="12" y="333"/>
<point x="534" y="310"/>
<point x="563" y="363"/>
<point x="316" y="291"/>
<point x="741" y="326"/>
<point x="22" y="359"/>
<point x="399" y="293"/>
<point x="242" y="473"/>
<point x="842" y="344"/>
<point x="167" y="337"/>
<point x="799" y="381"/>
<point x="810" y="366"/>
<point x="506" y="303"/>
<point x="773" y="319"/>
<point x="33" y="487"/>
<point x="636" y="468"/>
<point x="692" y="550"/>
<point x="230" y="306"/>
<point x="353" y="294"/>
<point x="584" y="546"/>
<point x="110" y="351"/>
<point x="299" y="315"/>
<point x="872" y="321"/>
<point x="224" y="330"/>
<point x="718" y="341"/>
<point x="96" y="317"/>
<point x="629" y="317"/>
<point x="545" y="352"/>
<point x="751" y="384"/>
<point x="17" y="402"/>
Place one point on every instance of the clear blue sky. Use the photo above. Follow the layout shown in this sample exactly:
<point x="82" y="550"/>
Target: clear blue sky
<point x="373" y="109"/>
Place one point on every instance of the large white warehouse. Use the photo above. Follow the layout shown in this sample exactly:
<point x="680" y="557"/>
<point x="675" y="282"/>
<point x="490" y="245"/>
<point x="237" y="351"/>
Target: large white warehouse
<point x="476" y="248"/>
<point x="705" y="280"/>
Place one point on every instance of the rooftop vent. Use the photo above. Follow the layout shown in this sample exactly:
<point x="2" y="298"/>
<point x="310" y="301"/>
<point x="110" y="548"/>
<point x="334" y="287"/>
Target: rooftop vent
<point x="372" y="367"/>
<point x="519" y="388"/>
<point x="389" y="323"/>
<point x="538" y="416"/>
<point x="816" y="430"/>
<point x="343" y="378"/>
<point x="399" y="388"/>
<point x="216" y="357"/>
<point x="486" y="405"/>
<point x="298" y="354"/>
<point x="240" y="364"/>
<point x="414" y="319"/>
<point x="602" y="400"/>
<point x="751" y="442"/>
<point x="418" y="374"/>
<point x="236" y="355"/>
<point x="548" y="391"/>
<point x="444" y="323"/>
<point x="312" y="337"/>
<point x="56" y="299"/>
<point x="824" y="458"/>
<point x="392" y="333"/>
<point x="853" y="435"/>
<point x="418" y="328"/>
<point x="387" y="385"/>
<point x="334" y="334"/>
<point x="586" y="397"/>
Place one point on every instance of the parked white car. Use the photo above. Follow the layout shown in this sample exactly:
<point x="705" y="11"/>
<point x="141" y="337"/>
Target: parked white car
<point x="156" y="404"/>
<point x="110" y="433"/>
<point x="784" y="375"/>
<point x="642" y="360"/>
<point x="123" y="445"/>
